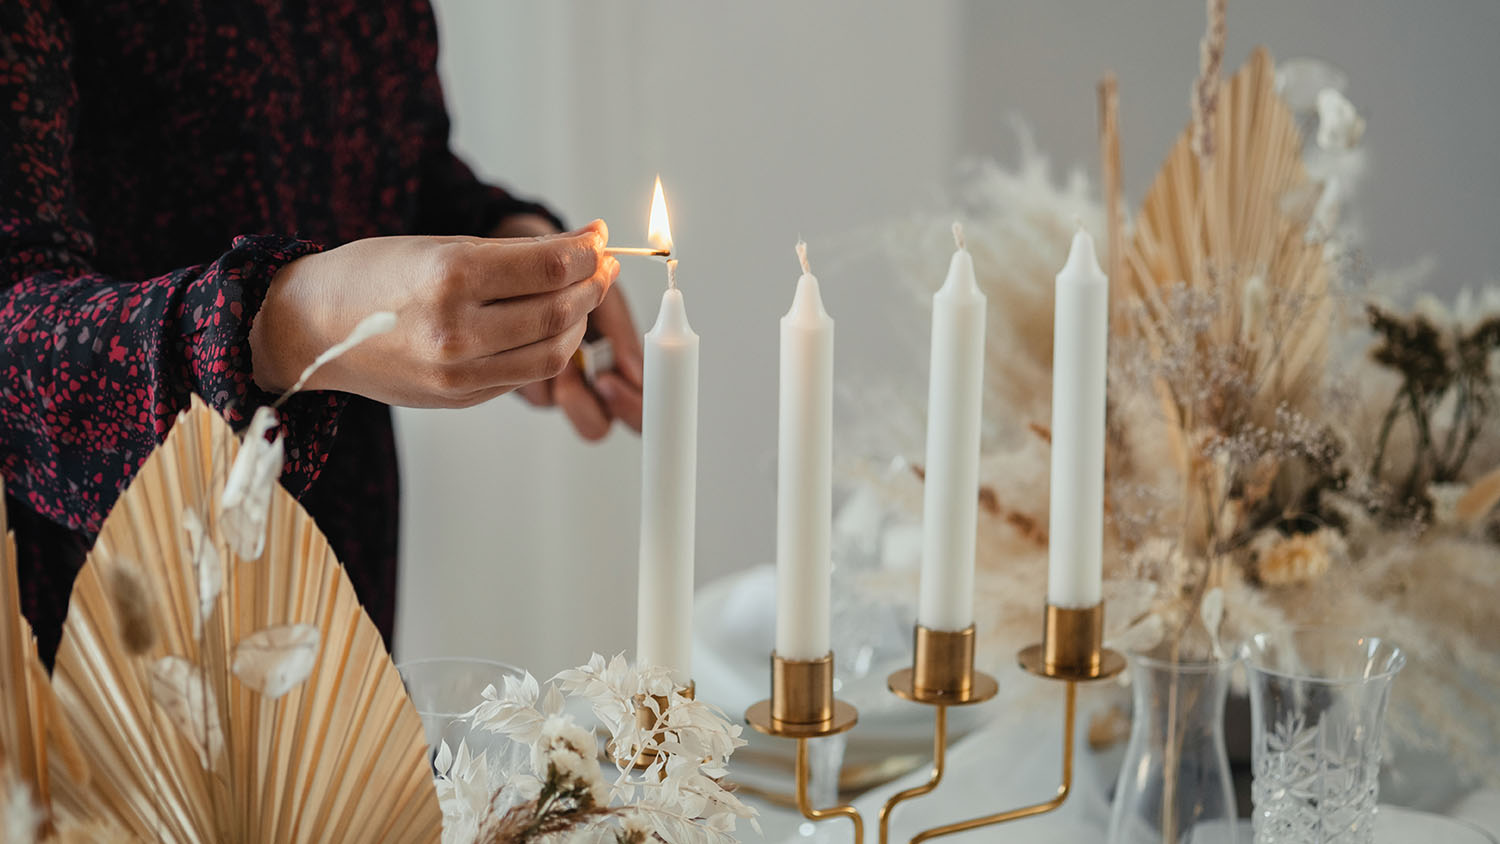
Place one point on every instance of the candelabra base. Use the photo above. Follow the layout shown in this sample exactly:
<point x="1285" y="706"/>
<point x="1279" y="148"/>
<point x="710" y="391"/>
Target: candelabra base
<point x="1034" y="660"/>
<point x="844" y="717"/>
<point x="903" y="684"/>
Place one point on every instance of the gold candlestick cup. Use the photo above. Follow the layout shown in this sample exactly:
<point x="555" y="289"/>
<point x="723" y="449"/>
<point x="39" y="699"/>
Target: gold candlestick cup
<point x="802" y="707"/>
<point x="648" y="720"/>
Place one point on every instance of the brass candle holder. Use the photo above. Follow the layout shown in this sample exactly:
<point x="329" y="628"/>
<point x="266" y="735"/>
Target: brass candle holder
<point x="802" y="707"/>
<point x="646" y="720"/>
<point x="942" y="674"/>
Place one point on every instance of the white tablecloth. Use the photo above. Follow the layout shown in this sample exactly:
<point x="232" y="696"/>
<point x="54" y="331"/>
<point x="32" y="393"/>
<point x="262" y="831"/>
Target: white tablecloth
<point x="1017" y="762"/>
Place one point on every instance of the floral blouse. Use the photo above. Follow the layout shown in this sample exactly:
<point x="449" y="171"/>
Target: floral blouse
<point x="159" y="161"/>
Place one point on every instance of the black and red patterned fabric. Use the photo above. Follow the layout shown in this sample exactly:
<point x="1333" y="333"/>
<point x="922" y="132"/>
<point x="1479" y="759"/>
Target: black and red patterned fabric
<point x="159" y="161"/>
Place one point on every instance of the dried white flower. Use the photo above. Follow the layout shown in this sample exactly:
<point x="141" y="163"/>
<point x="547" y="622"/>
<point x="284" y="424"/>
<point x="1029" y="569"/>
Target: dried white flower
<point x="1299" y="81"/>
<point x="274" y="660"/>
<point x="1297" y="559"/>
<point x="1339" y="125"/>
<point x="679" y="797"/>
<point x="177" y="687"/>
<point x="569" y="755"/>
<point x="373" y="325"/>
<point x="246" y="503"/>
<point x="469" y="791"/>
<point x="512" y="711"/>
<point x="1445" y="498"/>
<point x="20" y="816"/>
<point x="207" y="567"/>
<point x="1211" y="613"/>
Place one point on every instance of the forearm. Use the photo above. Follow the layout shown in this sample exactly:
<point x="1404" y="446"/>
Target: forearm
<point x="101" y="367"/>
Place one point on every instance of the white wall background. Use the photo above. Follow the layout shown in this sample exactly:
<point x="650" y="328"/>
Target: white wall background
<point x="775" y="119"/>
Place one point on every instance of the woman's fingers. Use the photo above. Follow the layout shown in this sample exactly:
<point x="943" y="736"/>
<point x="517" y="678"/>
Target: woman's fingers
<point x="494" y="270"/>
<point x="537" y="361"/>
<point x="513" y="323"/>
<point x="580" y="405"/>
<point x="621" y="398"/>
<point x="612" y="319"/>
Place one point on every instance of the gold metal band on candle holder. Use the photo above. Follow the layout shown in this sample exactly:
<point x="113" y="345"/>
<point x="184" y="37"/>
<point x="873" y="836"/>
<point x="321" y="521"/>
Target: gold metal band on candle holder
<point x="1072" y="646"/>
<point x="942" y="671"/>
<point x="802" y="704"/>
<point x="647" y="720"/>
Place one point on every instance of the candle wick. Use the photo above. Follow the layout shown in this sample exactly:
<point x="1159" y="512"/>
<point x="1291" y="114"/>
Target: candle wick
<point x="958" y="234"/>
<point x="672" y="274"/>
<point x="802" y="256"/>
<point x="1078" y="222"/>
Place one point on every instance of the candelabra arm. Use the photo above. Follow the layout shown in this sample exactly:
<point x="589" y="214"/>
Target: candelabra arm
<point x="805" y="807"/>
<point x="939" y="754"/>
<point x="1069" y="716"/>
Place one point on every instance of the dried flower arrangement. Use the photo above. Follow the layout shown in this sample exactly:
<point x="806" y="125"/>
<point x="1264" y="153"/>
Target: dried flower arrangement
<point x="559" y="791"/>
<point x="1273" y="458"/>
<point x="228" y="686"/>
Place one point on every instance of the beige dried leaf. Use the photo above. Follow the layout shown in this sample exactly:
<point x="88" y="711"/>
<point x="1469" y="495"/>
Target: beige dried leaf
<point x="207" y="567"/>
<point x="247" y="493"/>
<point x="1480" y="499"/>
<point x="275" y="660"/>
<point x="177" y="687"/>
<point x="373" y="325"/>
<point x="1292" y="560"/>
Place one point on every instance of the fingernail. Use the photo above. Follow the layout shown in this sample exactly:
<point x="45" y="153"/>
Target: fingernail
<point x="606" y="390"/>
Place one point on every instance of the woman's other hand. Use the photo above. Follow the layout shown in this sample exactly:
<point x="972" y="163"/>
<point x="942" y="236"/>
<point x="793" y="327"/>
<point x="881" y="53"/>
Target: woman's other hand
<point x="476" y="317"/>
<point x="615" y="394"/>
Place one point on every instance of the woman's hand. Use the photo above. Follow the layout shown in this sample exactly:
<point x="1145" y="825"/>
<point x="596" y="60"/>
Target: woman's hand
<point x="476" y="317"/>
<point x="615" y="394"/>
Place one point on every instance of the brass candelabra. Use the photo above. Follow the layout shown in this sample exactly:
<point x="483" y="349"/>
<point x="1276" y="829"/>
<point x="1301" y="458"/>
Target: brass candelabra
<point x="942" y="675"/>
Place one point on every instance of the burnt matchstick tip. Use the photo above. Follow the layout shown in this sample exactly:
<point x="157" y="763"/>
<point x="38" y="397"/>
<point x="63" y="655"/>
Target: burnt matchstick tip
<point x="644" y="251"/>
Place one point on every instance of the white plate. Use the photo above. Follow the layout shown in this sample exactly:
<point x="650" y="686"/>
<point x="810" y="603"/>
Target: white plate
<point x="733" y="633"/>
<point x="1395" y="825"/>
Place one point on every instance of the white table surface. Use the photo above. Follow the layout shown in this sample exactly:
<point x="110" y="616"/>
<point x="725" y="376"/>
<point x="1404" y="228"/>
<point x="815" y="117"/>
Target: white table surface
<point x="1013" y="761"/>
<point x="1017" y="763"/>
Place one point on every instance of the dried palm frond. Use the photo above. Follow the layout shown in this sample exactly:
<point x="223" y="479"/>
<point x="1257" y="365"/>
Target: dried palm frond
<point x="1222" y="319"/>
<point x="1235" y="223"/>
<point x="266" y="710"/>
<point x="29" y="724"/>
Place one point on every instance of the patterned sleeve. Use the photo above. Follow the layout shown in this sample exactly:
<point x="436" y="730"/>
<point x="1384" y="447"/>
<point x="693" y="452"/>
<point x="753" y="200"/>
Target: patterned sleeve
<point x="96" y="368"/>
<point x="451" y="199"/>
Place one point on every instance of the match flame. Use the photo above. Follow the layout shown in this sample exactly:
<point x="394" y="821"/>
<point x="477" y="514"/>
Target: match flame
<point x="659" y="235"/>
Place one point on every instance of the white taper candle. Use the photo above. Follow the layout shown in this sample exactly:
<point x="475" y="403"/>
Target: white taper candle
<point x="955" y="398"/>
<point x="804" y="474"/>
<point x="1079" y="358"/>
<point x="669" y="457"/>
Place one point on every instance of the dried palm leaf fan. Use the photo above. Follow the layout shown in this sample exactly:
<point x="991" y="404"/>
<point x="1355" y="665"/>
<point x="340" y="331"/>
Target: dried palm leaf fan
<point x="28" y="712"/>
<point x="1228" y="217"/>
<point x="263" y="711"/>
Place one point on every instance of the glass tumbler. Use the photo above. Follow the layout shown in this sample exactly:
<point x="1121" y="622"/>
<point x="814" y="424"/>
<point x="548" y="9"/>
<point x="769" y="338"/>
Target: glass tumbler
<point x="444" y="689"/>
<point x="1317" y="698"/>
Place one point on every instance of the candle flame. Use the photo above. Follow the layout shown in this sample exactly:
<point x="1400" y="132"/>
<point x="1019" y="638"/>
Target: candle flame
<point x="659" y="234"/>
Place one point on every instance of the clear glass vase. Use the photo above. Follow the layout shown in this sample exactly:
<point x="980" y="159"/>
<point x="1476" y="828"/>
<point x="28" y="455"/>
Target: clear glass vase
<point x="1317" y="700"/>
<point x="1175" y="785"/>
